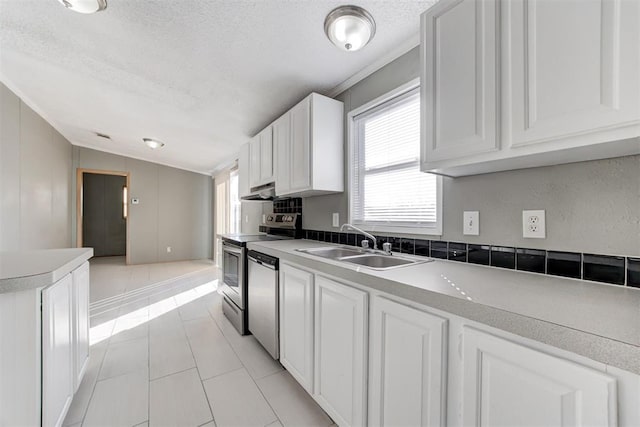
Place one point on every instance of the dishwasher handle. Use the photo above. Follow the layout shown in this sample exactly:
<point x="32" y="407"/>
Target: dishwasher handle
<point x="262" y="259"/>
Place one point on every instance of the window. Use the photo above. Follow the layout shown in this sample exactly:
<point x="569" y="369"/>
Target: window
<point x="388" y="191"/>
<point x="234" y="202"/>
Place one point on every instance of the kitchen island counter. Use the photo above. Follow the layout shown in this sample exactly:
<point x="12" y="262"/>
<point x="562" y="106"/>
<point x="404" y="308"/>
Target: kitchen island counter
<point x="20" y="271"/>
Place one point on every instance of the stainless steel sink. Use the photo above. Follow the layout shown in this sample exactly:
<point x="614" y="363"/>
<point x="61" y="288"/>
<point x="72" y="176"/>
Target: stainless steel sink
<point x="381" y="262"/>
<point x="333" y="252"/>
<point x="364" y="257"/>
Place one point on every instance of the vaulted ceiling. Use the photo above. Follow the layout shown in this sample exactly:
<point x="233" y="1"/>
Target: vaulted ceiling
<point x="201" y="75"/>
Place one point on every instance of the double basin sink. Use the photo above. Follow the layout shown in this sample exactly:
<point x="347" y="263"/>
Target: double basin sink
<point x="364" y="257"/>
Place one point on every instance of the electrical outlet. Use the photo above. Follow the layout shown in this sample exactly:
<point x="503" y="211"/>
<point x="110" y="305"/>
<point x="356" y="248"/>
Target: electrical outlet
<point x="246" y="219"/>
<point x="533" y="224"/>
<point x="168" y="249"/>
<point x="335" y="219"/>
<point x="471" y="223"/>
<point x="264" y="218"/>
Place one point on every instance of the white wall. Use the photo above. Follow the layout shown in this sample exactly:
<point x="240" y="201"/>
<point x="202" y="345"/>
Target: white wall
<point x="35" y="179"/>
<point x="174" y="208"/>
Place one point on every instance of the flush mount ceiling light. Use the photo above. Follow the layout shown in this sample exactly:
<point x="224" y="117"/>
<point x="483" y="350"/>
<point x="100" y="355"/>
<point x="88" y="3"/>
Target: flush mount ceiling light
<point x="350" y="28"/>
<point x="153" y="143"/>
<point x="85" y="6"/>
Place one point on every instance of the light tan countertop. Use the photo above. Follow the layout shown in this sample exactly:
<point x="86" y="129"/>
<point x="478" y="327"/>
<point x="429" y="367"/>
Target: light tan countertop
<point x="595" y="320"/>
<point x="25" y="270"/>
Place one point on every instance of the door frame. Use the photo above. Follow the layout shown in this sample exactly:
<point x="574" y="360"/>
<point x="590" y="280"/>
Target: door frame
<point x="79" y="199"/>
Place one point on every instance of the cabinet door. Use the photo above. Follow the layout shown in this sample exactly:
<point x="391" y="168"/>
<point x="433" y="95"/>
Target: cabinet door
<point x="57" y="352"/>
<point x="341" y="351"/>
<point x="459" y="82"/>
<point x="300" y="152"/>
<point x="569" y="67"/>
<point x="266" y="156"/>
<point x="408" y="366"/>
<point x="255" y="161"/>
<point x="296" y="324"/>
<point x="282" y="143"/>
<point x="507" y="384"/>
<point x="244" y="188"/>
<point x="80" y="322"/>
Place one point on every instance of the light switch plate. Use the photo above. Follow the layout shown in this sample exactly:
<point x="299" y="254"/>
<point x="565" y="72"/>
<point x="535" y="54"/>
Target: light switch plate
<point x="471" y="223"/>
<point x="335" y="219"/>
<point x="533" y="224"/>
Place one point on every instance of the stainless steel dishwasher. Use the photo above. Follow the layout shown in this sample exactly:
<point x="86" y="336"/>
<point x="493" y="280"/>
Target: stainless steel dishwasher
<point x="263" y="301"/>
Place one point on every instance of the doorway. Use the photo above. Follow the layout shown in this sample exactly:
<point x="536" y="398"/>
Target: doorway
<point x="103" y="212"/>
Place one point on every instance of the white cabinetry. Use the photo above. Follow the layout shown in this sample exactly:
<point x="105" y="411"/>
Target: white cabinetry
<point x="282" y="142"/>
<point x="341" y="351"/>
<point x="569" y="88"/>
<point x="57" y="351"/>
<point x="261" y="158"/>
<point x="310" y="148"/>
<point x="507" y="384"/>
<point x="80" y="322"/>
<point x="407" y="374"/>
<point x="459" y="87"/>
<point x="296" y="324"/>
<point x="44" y="342"/>
<point x="244" y="172"/>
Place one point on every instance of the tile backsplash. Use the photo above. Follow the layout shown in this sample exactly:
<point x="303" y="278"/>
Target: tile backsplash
<point x="609" y="269"/>
<point x="290" y="205"/>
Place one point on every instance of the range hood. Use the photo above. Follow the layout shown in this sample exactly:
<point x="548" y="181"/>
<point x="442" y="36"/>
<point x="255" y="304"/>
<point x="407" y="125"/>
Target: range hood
<point x="262" y="193"/>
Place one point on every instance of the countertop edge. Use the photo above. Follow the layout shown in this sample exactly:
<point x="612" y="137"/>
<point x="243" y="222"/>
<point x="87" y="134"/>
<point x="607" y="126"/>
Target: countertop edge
<point x="596" y="347"/>
<point x="41" y="280"/>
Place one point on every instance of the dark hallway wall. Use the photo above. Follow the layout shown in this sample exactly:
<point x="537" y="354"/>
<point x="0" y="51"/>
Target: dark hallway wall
<point x="103" y="227"/>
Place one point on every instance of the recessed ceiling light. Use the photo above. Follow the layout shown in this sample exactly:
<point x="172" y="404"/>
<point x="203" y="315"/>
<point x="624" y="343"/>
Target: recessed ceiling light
<point x="350" y="28"/>
<point x="85" y="6"/>
<point x="153" y="143"/>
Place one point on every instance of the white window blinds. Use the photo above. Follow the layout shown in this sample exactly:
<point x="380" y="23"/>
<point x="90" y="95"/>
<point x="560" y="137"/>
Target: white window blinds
<point x="387" y="187"/>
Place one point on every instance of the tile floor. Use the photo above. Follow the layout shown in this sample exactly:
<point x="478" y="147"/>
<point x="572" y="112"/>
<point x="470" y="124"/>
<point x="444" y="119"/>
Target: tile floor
<point x="163" y="354"/>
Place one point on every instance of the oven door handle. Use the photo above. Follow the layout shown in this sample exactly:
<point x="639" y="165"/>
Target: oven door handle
<point x="231" y="249"/>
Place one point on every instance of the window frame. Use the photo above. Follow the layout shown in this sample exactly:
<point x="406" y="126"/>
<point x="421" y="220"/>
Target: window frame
<point x="434" y="228"/>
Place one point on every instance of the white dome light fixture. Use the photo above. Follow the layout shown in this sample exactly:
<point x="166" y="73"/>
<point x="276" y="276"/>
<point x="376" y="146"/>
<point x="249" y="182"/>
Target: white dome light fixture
<point x="153" y="143"/>
<point x="85" y="6"/>
<point x="350" y="28"/>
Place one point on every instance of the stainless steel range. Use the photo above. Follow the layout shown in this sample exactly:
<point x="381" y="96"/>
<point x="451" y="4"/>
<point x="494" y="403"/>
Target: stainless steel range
<point x="234" y="264"/>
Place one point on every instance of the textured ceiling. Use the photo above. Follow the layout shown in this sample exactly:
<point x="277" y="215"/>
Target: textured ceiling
<point x="201" y="75"/>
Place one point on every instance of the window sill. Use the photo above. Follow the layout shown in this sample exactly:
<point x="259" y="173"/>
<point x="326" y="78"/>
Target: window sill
<point x="425" y="231"/>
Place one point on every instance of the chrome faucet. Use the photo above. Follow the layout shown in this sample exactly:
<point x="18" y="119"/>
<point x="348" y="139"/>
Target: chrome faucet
<point x="371" y="236"/>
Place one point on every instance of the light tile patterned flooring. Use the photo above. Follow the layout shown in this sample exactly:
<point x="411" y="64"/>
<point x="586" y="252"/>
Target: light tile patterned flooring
<point x="163" y="354"/>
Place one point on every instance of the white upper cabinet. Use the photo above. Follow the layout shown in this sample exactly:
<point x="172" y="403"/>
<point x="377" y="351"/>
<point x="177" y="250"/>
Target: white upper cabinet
<point x="261" y="158"/>
<point x="459" y="81"/>
<point x="244" y="172"/>
<point x="568" y="75"/>
<point x="508" y="384"/>
<point x="570" y="68"/>
<point x="281" y="140"/>
<point x="407" y="375"/>
<point x="309" y="142"/>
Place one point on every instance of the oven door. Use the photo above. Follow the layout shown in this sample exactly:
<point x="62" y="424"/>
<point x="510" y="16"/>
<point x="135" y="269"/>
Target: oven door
<point x="233" y="273"/>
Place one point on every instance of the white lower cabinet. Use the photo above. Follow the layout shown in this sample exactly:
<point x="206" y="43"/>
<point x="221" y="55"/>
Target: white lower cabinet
<point x="296" y="324"/>
<point x="508" y="384"/>
<point x="80" y="323"/>
<point x="369" y="358"/>
<point x="57" y="351"/>
<point x="341" y="351"/>
<point x="408" y="360"/>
